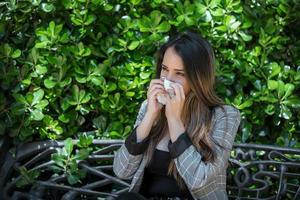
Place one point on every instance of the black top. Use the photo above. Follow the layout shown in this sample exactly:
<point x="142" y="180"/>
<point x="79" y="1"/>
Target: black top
<point x="156" y="181"/>
<point x="175" y="148"/>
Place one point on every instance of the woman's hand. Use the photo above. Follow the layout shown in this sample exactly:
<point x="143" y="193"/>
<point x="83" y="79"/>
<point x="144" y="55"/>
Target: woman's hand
<point x="175" y="103"/>
<point x="174" y="107"/>
<point x="153" y="108"/>
<point x="156" y="87"/>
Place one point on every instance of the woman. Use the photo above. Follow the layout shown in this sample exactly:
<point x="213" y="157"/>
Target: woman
<point x="180" y="150"/>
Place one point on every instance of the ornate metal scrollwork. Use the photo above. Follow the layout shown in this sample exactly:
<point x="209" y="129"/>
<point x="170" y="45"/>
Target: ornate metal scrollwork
<point x="263" y="172"/>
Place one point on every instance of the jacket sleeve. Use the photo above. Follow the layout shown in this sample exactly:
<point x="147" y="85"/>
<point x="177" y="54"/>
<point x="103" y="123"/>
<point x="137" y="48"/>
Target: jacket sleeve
<point x="128" y="158"/>
<point x="196" y="173"/>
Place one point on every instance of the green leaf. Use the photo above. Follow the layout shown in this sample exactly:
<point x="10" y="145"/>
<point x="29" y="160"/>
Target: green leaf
<point x="73" y="165"/>
<point x="257" y="84"/>
<point x="16" y="53"/>
<point x="82" y="154"/>
<point x="100" y="122"/>
<point x="272" y="85"/>
<point x="108" y="7"/>
<point x="245" y="104"/>
<point x="85" y="140"/>
<point x="98" y="80"/>
<point x="90" y="19"/>
<point x="144" y="24"/>
<point x="20" y="98"/>
<point x="270" y="109"/>
<point x="133" y="45"/>
<point x="36" y="2"/>
<point x="40" y="45"/>
<point x="37" y="96"/>
<point x="41" y="69"/>
<point x="58" y="159"/>
<point x="68" y="146"/>
<point x="75" y="95"/>
<point x="111" y="87"/>
<point x="58" y="29"/>
<point x="75" y="20"/>
<point x="41" y="104"/>
<point x="281" y="88"/>
<point x="115" y="126"/>
<point x="135" y="2"/>
<point x="200" y="8"/>
<point x="156" y="17"/>
<point x="47" y="7"/>
<point x="268" y="98"/>
<point x="285" y="112"/>
<point x="246" y="132"/>
<point x="288" y="88"/>
<point x="130" y="94"/>
<point x="235" y="25"/>
<point x="218" y="12"/>
<point x="293" y="102"/>
<point x="163" y="27"/>
<point x="37" y="114"/>
<point x="52" y="28"/>
<point x="65" y="118"/>
<point x="115" y="134"/>
<point x="72" y="179"/>
<point x="274" y="69"/>
<point x="123" y="84"/>
<point x="145" y="75"/>
<point x="221" y="28"/>
<point x="27" y="177"/>
<point x="34" y="54"/>
<point x="49" y="83"/>
<point x="65" y="82"/>
<point x="65" y="104"/>
<point x="84" y="98"/>
<point x="245" y="36"/>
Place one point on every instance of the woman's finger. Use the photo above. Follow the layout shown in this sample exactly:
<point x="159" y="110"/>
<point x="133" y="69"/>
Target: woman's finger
<point x="156" y="81"/>
<point x="178" y="91"/>
<point x="181" y="91"/>
<point x="155" y="87"/>
<point x="169" y="99"/>
<point x="156" y="91"/>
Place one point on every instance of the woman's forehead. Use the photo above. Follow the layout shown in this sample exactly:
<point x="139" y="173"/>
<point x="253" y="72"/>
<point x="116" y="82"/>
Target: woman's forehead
<point x="172" y="60"/>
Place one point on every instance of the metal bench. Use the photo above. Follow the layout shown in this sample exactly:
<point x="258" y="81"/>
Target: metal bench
<point x="254" y="172"/>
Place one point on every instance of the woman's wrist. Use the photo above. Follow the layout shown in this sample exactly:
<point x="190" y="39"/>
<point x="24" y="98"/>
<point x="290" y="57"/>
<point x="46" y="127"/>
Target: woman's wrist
<point x="151" y="117"/>
<point x="145" y="126"/>
<point x="176" y="128"/>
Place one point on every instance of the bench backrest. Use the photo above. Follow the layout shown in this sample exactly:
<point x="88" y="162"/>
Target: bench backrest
<point x="254" y="172"/>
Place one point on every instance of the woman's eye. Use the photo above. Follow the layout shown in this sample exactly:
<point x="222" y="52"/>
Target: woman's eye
<point x="180" y="74"/>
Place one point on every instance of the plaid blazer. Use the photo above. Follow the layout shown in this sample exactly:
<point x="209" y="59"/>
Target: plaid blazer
<point x="205" y="181"/>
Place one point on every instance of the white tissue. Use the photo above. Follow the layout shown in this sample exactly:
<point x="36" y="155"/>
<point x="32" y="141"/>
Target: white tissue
<point x="161" y="98"/>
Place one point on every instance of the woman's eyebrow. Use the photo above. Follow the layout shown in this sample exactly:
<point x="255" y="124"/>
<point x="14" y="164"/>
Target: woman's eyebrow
<point x="174" y="69"/>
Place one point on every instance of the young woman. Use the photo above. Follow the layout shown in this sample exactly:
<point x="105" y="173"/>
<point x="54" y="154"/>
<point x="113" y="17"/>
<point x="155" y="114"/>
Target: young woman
<point x="180" y="150"/>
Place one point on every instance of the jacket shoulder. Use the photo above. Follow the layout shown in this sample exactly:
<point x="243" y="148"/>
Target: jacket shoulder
<point x="226" y="110"/>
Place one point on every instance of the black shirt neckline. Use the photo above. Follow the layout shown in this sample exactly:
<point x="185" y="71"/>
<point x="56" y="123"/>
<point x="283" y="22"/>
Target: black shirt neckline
<point x="156" y="181"/>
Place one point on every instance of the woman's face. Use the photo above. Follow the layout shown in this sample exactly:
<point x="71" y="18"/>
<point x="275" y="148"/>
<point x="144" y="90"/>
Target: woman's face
<point x="173" y="69"/>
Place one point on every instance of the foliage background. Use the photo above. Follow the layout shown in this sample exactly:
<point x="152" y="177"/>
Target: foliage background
<point x="75" y="66"/>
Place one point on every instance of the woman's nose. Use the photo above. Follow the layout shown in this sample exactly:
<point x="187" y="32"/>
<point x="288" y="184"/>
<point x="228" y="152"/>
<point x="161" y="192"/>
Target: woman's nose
<point x="170" y="77"/>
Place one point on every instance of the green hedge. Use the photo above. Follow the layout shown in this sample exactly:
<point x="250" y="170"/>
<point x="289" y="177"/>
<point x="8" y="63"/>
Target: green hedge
<point x="83" y="65"/>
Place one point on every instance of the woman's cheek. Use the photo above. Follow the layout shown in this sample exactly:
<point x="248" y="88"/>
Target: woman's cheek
<point x="184" y="85"/>
<point x="180" y="81"/>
